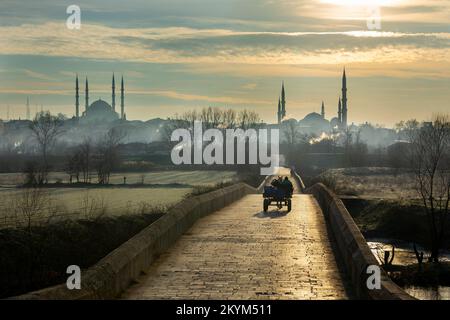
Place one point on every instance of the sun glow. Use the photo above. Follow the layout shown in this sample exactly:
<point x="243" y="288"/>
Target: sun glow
<point x="367" y="3"/>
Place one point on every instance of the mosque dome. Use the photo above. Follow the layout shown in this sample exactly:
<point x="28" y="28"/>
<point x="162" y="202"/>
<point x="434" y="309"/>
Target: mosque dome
<point x="314" y="116"/>
<point x="100" y="106"/>
<point x="100" y="110"/>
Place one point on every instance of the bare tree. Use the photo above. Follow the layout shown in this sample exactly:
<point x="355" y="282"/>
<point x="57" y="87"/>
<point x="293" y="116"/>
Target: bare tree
<point x="190" y="117"/>
<point x="31" y="173"/>
<point x="355" y="150"/>
<point x="406" y="129"/>
<point x="30" y="205"/>
<point x="107" y="156"/>
<point x="431" y="162"/>
<point x="45" y="129"/>
<point x="80" y="161"/>
<point x="206" y="116"/>
<point x="73" y="166"/>
<point x="229" y="119"/>
<point x="248" y="119"/>
<point x="291" y="131"/>
<point x="217" y="117"/>
<point x="85" y="150"/>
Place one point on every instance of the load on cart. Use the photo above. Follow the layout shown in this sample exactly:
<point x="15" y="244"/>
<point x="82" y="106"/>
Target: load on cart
<point x="278" y="194"/>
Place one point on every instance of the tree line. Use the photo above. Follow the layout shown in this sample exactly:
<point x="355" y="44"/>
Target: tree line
<point x="98" y="157"/>
<point x="213" y="118"/>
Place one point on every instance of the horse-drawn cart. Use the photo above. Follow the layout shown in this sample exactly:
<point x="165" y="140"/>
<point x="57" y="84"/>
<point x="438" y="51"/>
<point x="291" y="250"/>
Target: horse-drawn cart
<point x="277" y="197"/>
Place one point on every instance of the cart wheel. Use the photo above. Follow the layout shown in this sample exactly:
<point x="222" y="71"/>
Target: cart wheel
<point x="266" y="205"/>
<point x="289" y="205"/>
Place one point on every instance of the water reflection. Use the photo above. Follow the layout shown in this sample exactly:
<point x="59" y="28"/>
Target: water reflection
<point x="439" y="293"/>
<point x="404" y="255"/>
<point x="404" y="251"/>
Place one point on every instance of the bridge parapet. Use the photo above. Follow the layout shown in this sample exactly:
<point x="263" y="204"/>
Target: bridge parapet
<point x="353" y="248"/>
<point x="298" y="180"/>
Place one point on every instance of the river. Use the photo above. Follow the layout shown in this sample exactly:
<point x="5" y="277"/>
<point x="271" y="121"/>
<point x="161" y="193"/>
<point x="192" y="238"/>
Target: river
<point x="404" y="255"/>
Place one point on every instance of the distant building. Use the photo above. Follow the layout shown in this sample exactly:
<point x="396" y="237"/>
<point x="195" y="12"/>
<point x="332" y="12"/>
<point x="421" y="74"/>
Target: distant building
<point x="336" y="121"/>
<point x="315" y="122"/>
<point x="282" y="105"/>
<point x="344" y="111"/>
<point x="100" y="110"/>
<point x="28" y="109"/>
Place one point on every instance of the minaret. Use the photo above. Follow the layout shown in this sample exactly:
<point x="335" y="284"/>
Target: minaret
<point x="279" y="111"/>
<point x="340" y="112"/>
<point x="122" y="101"/>
<point x="113" y="104"/>
<point x="77" y="98"/>
<point x="87" y="95"/>
<point x="323" y="110"/>
<point x="28" y="109"/>
<point x="344" y="101"/>
<point x="283" y="102"/>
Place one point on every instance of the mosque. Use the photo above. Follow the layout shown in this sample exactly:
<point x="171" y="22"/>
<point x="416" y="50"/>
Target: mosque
<point x="318" y="120"/>
<point x="100" y="110"/>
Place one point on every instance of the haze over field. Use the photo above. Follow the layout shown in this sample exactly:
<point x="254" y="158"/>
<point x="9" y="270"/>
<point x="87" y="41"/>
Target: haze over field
<point x="151" y="189"/>
<point x="178" y="54"/>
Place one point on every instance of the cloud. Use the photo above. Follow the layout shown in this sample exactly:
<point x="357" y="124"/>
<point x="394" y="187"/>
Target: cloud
<point x="193" y="97"/>
<point x="35" y="91"/>
<point x="405" y="70"/>
<point x="187" y="45"/>
<point x="171" y="94"/>
<point x="37" y="75"/>
<point x="250" y="86"/>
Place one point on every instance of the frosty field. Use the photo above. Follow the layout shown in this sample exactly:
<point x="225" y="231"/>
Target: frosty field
<point x="376" y="183"/>
<point x="159" y="189"/>
<point x="157" y="177"/>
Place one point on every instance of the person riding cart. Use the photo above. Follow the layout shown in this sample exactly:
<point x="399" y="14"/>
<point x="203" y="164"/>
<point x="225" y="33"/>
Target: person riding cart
<point x="287" y="186"/>
<point x="279" y="192"/>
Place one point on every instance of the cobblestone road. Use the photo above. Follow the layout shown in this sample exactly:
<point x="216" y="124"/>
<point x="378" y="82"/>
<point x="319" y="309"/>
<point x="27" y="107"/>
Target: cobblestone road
<point x="241" y="253"/>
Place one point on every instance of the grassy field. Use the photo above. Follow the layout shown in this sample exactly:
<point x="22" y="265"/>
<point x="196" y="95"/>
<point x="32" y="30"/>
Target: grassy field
<point x="157" y="177"/>
<point x="373" y="183"/>
<point x="387" y="204"/>
<point x="87" y="202"/>
<point x="77" y="203"/>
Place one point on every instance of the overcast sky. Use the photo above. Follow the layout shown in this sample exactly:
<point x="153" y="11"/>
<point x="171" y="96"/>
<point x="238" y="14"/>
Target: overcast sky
<point x="177" y="55"/>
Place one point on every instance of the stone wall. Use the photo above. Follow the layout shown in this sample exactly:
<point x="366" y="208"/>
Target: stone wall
<point x="353" y="249"/>
<point x="299" y="181"/>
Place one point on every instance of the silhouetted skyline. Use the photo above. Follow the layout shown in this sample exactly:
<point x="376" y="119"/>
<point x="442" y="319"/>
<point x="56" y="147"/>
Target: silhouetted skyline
<point x="178" y="55"/>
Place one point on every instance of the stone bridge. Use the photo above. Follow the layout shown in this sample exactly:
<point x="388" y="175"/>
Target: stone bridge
<point x="223" y="246"/>
<point x="240" y="252"/>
